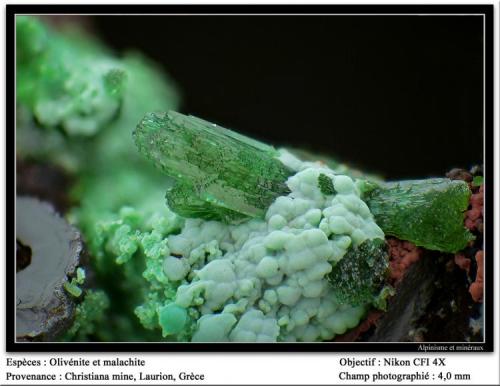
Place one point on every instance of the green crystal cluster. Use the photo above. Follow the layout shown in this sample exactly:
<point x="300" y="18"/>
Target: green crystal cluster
<point x="220" y="175"/>
<point x="224" y="176"/>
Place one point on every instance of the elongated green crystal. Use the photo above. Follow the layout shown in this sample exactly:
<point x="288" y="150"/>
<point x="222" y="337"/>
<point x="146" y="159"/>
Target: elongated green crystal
<point x="429" y="213"/>
<point x="220" y="174"/>
<point x="184" y="200"/>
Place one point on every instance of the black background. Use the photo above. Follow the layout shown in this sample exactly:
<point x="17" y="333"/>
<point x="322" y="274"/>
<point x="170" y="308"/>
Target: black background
<point x="399" y="95"/>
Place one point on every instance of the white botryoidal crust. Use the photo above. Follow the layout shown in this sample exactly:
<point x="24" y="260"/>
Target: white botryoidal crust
<point x="265" y="280"/>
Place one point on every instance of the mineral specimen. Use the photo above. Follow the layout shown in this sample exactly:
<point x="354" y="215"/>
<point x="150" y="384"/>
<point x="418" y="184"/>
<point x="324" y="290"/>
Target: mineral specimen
<point x="254" y="244"/>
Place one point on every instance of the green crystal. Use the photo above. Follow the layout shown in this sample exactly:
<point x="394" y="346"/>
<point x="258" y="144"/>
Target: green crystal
<point x="477" y="181"/>
<point x="360" y="276"/>
<point x="429" y="213"/>
<point x="219" y="174"/>
<point x="80" y="275"/>
<point x="184" y="200"/>
<point x="325" y="184"/>
<point x="73" y="288"/>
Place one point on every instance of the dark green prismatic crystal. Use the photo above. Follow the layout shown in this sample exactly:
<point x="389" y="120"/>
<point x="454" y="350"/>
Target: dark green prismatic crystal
<point x="360" y="276"/>
<point x="429" y="213"/>
<point x="325" y="184"/>
<point x="220" y="175"/>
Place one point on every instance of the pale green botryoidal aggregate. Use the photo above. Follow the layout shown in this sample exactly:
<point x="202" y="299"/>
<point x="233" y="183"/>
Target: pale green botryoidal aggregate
<point x="264" y="280"/>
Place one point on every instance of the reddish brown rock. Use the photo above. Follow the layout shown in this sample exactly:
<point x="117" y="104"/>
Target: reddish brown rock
<point x="474" y="216"/>
<point x="463" y="262"/>
<point x="402" y="255"/>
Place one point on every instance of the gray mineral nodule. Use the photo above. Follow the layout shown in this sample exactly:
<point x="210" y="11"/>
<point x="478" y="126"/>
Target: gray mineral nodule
<point x="50" y="250"/>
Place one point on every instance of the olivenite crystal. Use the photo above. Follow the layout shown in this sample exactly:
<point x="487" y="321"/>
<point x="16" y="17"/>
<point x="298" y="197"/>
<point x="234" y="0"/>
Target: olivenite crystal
<point x="220" y="175"/>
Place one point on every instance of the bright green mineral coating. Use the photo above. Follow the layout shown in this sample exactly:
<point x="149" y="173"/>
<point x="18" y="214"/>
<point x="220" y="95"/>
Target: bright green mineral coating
<point x="429" y="213"/>
<point x="66" y="80"/>
<point x="360" y="276"/>
<point x="220" y="174"/>
<point x="88" y="315"/>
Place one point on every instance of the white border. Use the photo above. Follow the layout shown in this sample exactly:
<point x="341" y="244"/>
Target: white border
<point x="298" y="14"/>
<point x="279" y="368"/>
